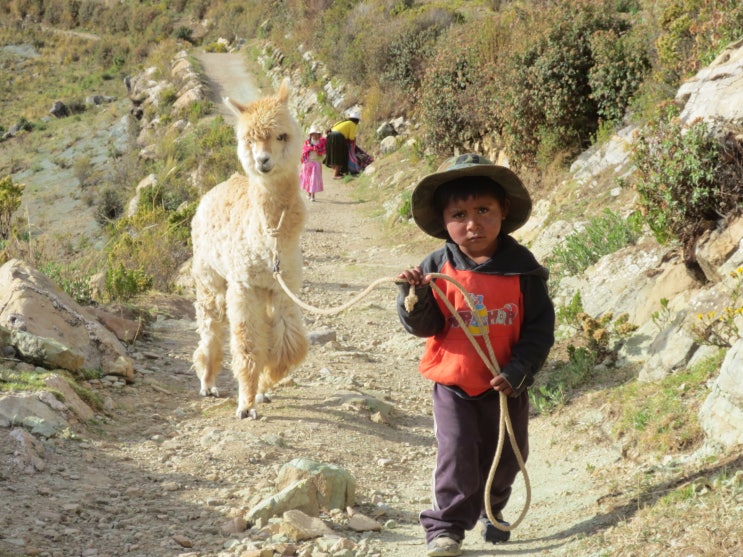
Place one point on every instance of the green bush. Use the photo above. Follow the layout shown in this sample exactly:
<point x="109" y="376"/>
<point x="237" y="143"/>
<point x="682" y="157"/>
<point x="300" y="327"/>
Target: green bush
<point x="692" y="33"/>
<point x="683" y="184"/>
<point x="620" y="66"/>
<point x="547" y="91"/>
<point x="123" y="284"/>
<point x="69" y="279"/>
<point x="10" y="199"/>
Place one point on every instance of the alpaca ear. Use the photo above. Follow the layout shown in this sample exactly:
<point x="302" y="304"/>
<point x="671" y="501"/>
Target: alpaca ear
<point x="234" y="106"/>
<point x="283" y="94"/>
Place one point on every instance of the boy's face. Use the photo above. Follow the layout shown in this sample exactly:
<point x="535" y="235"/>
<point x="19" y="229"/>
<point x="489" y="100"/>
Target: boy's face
<point x="474" y="224"/>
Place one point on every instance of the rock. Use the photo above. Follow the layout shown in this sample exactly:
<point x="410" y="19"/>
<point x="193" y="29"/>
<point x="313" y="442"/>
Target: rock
<point x="71" y="400"/>
<point x="59" y="110"/>
<point x="715" y="247"/>
<point x="126" y="330"/>
<point x="386" y="130"/>
<point x="149" y="181"/>
<point x="34" y="304"/>
<point x="321" y="336"/>
<point x="46" y="352"/>
<point x="300" y="495"/>
<point x="714" y="93"/>
<point x="671" y="350"/>
<point x="234" y="525"/>
<point x="29" y="410"/>
<point x="298" y="526"/>
<point x="28" y="452"/>
<point x="362" y="523"/>
<point x="721" y="415"/>
<point x="336" y="488"/>
<point x="388" y="145"/>
<point x="183" y="541"/>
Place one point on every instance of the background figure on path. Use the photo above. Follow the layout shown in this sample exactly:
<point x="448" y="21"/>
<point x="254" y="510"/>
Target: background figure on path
<point x="341" y="146"/>
<point x="310" y="176"/>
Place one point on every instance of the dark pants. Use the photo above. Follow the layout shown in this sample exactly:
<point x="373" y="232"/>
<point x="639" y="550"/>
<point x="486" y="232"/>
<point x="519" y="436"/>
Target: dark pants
<point x="467" y="436"/>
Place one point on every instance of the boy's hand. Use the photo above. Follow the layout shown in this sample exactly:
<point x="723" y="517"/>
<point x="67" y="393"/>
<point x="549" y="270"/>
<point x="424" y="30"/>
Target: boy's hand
<point x="500" y="384"/>
<point x="414" y="276"/>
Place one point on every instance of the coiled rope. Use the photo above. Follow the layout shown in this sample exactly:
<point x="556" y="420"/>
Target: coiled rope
<point x="504" y="422"/>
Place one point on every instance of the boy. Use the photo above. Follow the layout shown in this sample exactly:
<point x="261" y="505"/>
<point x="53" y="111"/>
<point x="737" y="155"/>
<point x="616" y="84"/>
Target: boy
<point x="474" y="204"/>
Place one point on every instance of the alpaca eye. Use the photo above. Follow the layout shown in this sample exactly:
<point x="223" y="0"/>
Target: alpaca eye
<point x="283" y="137"/>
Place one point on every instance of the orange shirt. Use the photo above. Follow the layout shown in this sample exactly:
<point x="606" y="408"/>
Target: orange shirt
<point x="449" y="357"/>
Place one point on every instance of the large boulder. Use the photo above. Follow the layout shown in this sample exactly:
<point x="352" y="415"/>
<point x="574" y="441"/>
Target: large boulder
<point x="32" y="304"/>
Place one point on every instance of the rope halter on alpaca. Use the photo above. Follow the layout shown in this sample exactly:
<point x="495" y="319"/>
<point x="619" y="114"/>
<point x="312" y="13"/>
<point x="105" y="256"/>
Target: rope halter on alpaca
<point x="504" y="422"/>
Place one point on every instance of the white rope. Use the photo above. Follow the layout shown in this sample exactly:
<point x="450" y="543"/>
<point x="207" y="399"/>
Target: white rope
<point x="490" y="360"/>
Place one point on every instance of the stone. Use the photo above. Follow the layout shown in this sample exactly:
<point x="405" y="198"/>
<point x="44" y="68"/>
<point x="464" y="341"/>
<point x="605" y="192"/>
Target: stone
<point x="721" y="414"/>
<point x="35" y="305"/>
<point x="336" y="488"/>
<point x="298" y="526"/>
<point x="361" y="523"/>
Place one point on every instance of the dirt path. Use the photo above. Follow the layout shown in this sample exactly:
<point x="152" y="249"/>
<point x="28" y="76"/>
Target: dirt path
<point x="167" y="470"/>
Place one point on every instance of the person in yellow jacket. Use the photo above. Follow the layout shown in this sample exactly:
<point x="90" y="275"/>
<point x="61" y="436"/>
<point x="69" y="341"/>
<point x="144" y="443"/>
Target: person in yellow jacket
<point x="340" y="146"/>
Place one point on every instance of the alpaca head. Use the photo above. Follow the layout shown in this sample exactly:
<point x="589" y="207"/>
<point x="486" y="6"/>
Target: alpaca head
<point x="269" y="141"/>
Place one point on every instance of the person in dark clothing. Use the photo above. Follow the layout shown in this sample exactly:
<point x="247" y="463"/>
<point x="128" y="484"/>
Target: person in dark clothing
<point x="340" y="152"/>
<point x="474" y="205"/>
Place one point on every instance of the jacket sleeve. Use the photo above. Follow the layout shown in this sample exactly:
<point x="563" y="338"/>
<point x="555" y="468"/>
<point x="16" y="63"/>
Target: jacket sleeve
<point x="425" y="319"/>
<point x="536" y="337"/>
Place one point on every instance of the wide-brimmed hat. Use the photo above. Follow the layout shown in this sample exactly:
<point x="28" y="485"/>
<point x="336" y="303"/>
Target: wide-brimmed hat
<point x="428" y="217"/>
<point x="354" y="115"/>
<point x="314" y="129"/>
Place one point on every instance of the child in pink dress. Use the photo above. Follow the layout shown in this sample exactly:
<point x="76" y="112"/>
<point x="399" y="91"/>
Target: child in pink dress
<point x="313" y="152"/>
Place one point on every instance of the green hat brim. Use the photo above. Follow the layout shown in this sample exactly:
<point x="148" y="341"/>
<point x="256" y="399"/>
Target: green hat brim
<point x="428" y="218"/>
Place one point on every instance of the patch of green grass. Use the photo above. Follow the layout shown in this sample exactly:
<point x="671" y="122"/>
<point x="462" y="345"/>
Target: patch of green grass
<point x="661" y="417"/>
<point x="15" y="381"/>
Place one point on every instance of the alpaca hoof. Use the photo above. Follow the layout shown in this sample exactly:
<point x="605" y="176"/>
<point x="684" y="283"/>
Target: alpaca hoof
<point x="262" y="398"/>
<point x="249" y="414"/>
<point x="209" y="391"/>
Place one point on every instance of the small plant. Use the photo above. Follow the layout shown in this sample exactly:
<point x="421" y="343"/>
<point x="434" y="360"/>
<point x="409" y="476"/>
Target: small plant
<point x="123" y="284"/>
<point x="10" y="200"/>
<point x="723" y="329"/>
<point x="569" y="314"/>
<point x="602" y="235"/>
<point x="661" y="317"/>
<point x="69" y="280"/>
<point x="546" y="399"/>
<point x="603" y="332"/>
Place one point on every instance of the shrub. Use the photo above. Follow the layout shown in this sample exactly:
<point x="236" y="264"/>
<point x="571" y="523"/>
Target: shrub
<point x="123" y="284"/>
<point x="547" y="92"/>
<point x="69" y="279"/>
<point x="692" y="33"/>
<point x="683" y="185"/>
<point x="10" y="200"/>
<point x="620" y="66"/>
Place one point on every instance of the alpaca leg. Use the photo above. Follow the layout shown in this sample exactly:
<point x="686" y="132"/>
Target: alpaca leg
<point x="248" y="343"/>
<point x="207" y="358"/>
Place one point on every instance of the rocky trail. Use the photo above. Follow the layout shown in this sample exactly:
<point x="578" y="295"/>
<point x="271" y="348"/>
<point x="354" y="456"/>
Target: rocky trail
<point x="166" y="472"/>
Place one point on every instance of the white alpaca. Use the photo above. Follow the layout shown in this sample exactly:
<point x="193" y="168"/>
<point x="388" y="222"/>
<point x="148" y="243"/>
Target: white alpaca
<point x="242" y="228"/>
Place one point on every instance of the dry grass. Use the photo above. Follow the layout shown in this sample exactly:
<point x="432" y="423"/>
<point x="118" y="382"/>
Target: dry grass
<point x="673" y="510"/>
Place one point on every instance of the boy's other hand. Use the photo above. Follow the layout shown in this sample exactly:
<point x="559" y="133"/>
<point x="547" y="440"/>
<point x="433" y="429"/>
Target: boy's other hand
<point x="414" y="276"/>
<point x="500" y="384"/>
